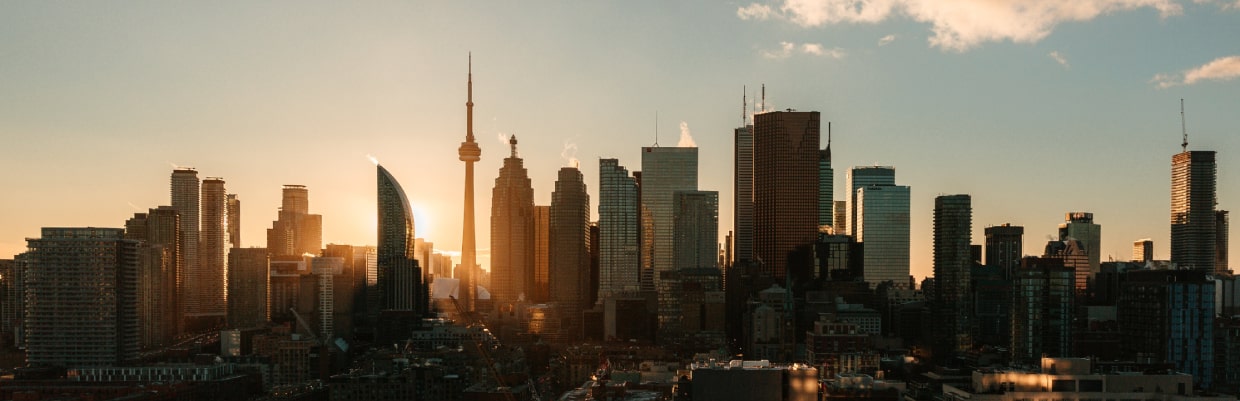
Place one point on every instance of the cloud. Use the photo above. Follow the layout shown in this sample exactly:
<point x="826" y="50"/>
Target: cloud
<point x="1223" y="4"/>
<point x="686" y="138"/>
<point x="372" y="159"/>
<point x="787" y="49"/>
<point x="754" y="11"/>
<point x="1221" y="69"/>
<point x="1059" y="58"/>
<point x="885" y="40"/>
<point x="964" y="24"/>
<point x="569" y="154"/>
<point x="502" y="137"/>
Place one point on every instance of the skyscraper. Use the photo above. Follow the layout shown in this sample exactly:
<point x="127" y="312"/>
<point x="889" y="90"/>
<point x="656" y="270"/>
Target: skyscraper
<point x="1042" y="310"/>
<point x="82" y="298"/>
<point x="619" y="260"/>
<point x="1221" y="224"/>
<point x="234" y="221"/>
<point x="542" y="254"/>
<point x="826" y="184"/>
<point x="249" y="274"/>
<point x="1080" y="226"/>
<point x="185" y="200"/>
<point x="1143" y="250"/>
<point x="696" y="229"/>
<point x="512" y="232"/>
<point x="569" y="250"/>
<point x="864" y="176"/>
<point x="664" y="171"/>
<point x="785" y="165"/>
<point x="742" y="210"/>
<point x="469" y="153"/>
<point x="1004" y="247"/>
<point x="1193" y="219"/>
<point x="395" y="253"/>
<point x="295" y="232"/>
<point x="163" y="228"/>
<point x="840" y="221"/>
<point x="953" y="234"/>
<point x="207" y="294"/>
<point x="882" y="226"/>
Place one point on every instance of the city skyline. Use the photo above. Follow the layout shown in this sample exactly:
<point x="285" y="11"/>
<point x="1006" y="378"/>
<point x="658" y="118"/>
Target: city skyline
<point x="105" y="112"/>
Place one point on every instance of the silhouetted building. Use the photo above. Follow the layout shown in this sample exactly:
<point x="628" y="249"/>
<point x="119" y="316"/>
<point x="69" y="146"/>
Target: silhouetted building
<point x="882" y="227"/>
<point x="249" y="276"/>
<point x="1080" y="226"/>
<point x="205" y="299"/>
<point x="826" y="185"/>
<point x="1143" y="250"/>
<point x="295" y="232"/>
<point x="839" y="258"/>
<point x="512" y="232"/>
<point x="696" y="229"/>
<point x="742" y="210"/>
<point x="1168" y="316"/>
<point x="991" y="307"/>
<point x="1221" y="224"/>
<point x="1004" y="247"/>
<point x="82" y="298"/>
<point x="953" y="234"/>
<point x="619" y="225"/>
<point x="570" y="259"/>
<point x="400" y="285"/>
<point x="234" y="221"/>
<point x="185" y="199"/>
<point x="785" y="166"/>
<point x="159" y="228"/>
<point x="1074" y="256"/>
<point x="1043" y="307"/>
<point x="1194" y="227"/>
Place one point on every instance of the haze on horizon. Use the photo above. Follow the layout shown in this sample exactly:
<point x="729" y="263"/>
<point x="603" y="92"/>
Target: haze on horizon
<point x="1034" y="108"/>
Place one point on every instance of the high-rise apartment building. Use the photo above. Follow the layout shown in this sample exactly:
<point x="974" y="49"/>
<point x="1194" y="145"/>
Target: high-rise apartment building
<point x="295" y="231"/>
<point x="742" y="210"/>
<point x="882" y="226"/>
<point x="1194" y="227"/>
<point x="1168" y="316"/>
<point x="953" y="235"/>
<point x="82" y="298"/>
<point x="619" y="226"/>
<point x="1005" y="247"/>
<point x="400" y="286"/>
<point x="234" y="221"/>
<point x="786" y="191"/>
<point x="1143" y="250"/>
<point x="185" y="199"/>
<point x="1080" y="226"/>
<point x="664" y="171"/>
<point x="249" y="275"/>
<point x="512" y="232"/>
<point x="1042" y="310"/>
<point x="1221" y="225"/>
<point x="206" y="295"/>
<point x="569" y="250"/>
<point x="865" y="176"/>
<point x="826" y="184"/>
<point x="542" y="254"/>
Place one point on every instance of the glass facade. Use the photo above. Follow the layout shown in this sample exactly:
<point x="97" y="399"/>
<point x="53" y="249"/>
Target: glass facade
<point x="742" y="212"/>
<point x="864" y="176"/>
<point x="619" y="260"/>
<point x="883" y="227"/>
<point x="1193" y="219"/>
<point x="664" y="171"/>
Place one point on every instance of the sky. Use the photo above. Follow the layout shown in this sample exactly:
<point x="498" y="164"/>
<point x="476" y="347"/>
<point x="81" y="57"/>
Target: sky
<point x="1033" y="107"/>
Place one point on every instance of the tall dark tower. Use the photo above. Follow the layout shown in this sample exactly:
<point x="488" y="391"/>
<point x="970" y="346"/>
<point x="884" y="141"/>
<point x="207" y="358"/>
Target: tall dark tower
<point x="569" y="268"/>
<point x="1193" y="218"/>
<point x="785" y="177"/>
<point x="512" y="232"/>
<point x="826" y="185"/>
<point x="470" y="153"/>
<point x="399" y="277"/>
<point x="953" y="228"/>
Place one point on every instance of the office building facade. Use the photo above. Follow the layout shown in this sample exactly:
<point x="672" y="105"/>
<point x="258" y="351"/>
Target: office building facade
<point x="512" y="232"/>
<point x="619" y="226"/>
<point x="953" y="235"/>
<point x="249" y="275"/>
<point x="569" y="268"/>
<point x="882" y="226"/>
<point x="786" y="191"/>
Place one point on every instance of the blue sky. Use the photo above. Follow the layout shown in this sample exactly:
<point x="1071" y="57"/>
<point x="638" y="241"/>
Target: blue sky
<point x="1035" y="108"/>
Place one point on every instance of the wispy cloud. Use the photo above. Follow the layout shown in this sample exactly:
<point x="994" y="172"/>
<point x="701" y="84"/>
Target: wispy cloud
<point x="569" y="154"/>
<point x="787" y="49"/>
<point x="686" y="138"/>
<point x="1059" y="58"/>
<point x="1221" y="69"/>
<point x="1224" y="4"/>
<point x="885" y="40"/>
<point x="956" y="25"/>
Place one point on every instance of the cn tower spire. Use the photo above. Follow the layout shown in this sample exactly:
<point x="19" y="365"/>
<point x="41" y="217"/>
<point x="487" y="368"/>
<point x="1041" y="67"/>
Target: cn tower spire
<point x="469" y="153"/>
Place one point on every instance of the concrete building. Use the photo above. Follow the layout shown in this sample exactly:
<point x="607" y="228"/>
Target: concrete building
<point x="295" y="231"/>
<point x="882" y="226"/>
<point x="1005" y="247"/>
<point x="206" y="298"/>
<point x="569" y="269"/>
<point x="1074" y="380"/>
<point x="1081" y="227"/>
<point x="619" y="226"/>
<point x="1194" y="223"/>
<point x="234" y="221"/>
<point x="695" y="229"/>
<point x="1168" y="316"/>
<point x="1143" y="250"/>
<point x="753" y="381"/>
<point x="953" y="235"/>
<point x="249" y="277"/>
<point x="1042" y="309"/>
<point x="512" y="232"/>
<point x="1074" y="256"/>
<point x="82" y="298"/>
<point x="1221" y="224"/>
<point x="542" y="254"/>
<point x="839" y="223"/>
<point x="185" y="199"/>
<point x="786" y="191"/>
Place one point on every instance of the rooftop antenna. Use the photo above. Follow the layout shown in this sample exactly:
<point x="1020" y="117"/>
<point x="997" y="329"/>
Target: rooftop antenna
<point x="828" y="140"/>
<point x="656" y="128"/>
<point x="763" y="98"/>
<point x="1183" y="127"/>
<point x="744" y="104"/>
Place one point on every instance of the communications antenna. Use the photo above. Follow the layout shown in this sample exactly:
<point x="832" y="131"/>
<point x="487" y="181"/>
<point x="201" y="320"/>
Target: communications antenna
<point x="656" y="128"/>
<point x="744" y="103"/>
<point x="1183" y="127"/>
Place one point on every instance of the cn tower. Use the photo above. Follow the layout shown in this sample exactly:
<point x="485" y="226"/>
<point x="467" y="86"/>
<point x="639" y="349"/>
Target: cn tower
<point x="469" y="153"/>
